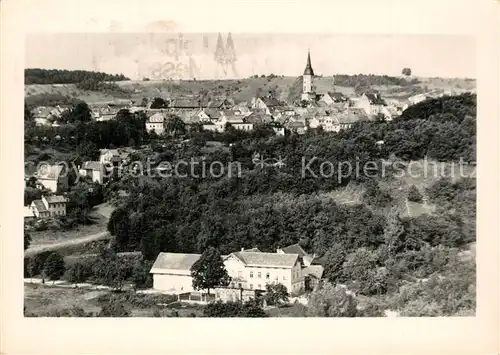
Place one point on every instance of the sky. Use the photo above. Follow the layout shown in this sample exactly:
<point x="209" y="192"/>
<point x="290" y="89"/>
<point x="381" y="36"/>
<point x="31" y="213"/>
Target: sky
<point x="160" y="55"/>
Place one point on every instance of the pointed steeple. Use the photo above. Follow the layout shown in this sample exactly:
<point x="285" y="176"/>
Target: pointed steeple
<point x="309" y="69"/>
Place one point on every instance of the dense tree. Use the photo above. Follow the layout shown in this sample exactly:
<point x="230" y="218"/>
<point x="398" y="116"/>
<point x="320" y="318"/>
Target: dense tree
<point x="328" y="300"/>
<point x="394" y="232"/>
<point x="77" y="272"/>
<point x="249" y="309"/>
<point x="56" y="76"/>
<point x="54" y="266"/>
<point x="376" y="196"/>
<point x="141" y="276"/>
<point x="414" y="194"/>
<point x="110" y="270"/>
<point x="80" y="113"/>
<point x="333" y="263"/>
<point x="158" y="102"/>
<point x="27" y="240"/>
<point x="406" y="71"/>
<point x="114" y="308"/>
<point x="88" y="151"/>
<point x="361" y="271"/>
<point x="175" y="126"/>
<point x="276" y="294"/>
<point x="208" y="271"/>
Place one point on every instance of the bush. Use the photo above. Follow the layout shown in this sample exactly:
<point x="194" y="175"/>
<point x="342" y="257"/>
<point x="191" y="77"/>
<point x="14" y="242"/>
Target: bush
<point x="331" y="301"/>
<point x="54" y="266"/>
<point x="136" y="300"/>
<point x="33" y="265"/>
<point x="375" y="196"/>
<point x="141" y="276"/>
<point x="413" y="194"/>
<point x="250" y="308"/>
<point x="276" y="294"/>
<point x="78" y="272"/>
<point x="115" y="308"/>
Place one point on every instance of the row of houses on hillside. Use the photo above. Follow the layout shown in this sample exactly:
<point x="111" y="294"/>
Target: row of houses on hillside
<point x="100" y="170"/>
<point x="49" y="115"/>
<point x="48" y="206"/>
<point x="248" y="269"/>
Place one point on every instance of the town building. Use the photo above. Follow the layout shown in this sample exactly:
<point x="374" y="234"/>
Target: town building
<point x="107" y="111"/>
<point x="371" y="103"/>
<point x="28" y="213"/>
<point x="93" y="169"/>
<point x="49" y="206"/>
<point x="307" y="81"/>
<point x="415" y="99"/>
<point x="267" y="103"/>
<point x="52" y="177"/>
<point x="172" y="272"/>
<point x="156" y="123"/>
<point x="249" y="270"/>
<point x="254" y="270"/>
<point x="332" y="97"/>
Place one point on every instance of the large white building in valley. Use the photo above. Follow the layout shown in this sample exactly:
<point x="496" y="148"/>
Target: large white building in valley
<point x="248" y="269"/>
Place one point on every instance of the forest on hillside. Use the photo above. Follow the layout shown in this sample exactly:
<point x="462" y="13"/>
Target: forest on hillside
<point x="57" y="76"/>
<point x="367" y="245"/>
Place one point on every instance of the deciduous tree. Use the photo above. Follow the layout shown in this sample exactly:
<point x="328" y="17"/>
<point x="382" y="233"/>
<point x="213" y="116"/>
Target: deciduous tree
<point x="54" y="266"/>
<point x="328" y="300"/>
<point x="209" y="271"/>
<point x="276" y="294"/>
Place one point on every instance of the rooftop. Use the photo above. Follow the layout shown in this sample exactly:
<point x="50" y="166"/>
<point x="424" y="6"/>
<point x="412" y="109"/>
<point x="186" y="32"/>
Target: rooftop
<point x="315" y="270"/>
<point x="93" y="165"/>
<point x="267" y="259"/>
<point x="175" y="261"/>
<point x="55" y="199"/>
<point x="49" y="172"/>
<point x="294" y="249"/>
<point x="39" y="206"/>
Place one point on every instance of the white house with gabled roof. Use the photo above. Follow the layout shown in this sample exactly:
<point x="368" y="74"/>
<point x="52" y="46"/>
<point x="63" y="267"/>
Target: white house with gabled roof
<point x="248" y="269"/>
<point x="156" y="123"/>
<point x="254" y="270"/>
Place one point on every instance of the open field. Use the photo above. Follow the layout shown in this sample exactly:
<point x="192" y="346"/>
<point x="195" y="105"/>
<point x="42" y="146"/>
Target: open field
<point x="81" y="235"/>
<point x="47" y="300"/>
<point x="69" y="243"/>
<point x="43" y="300"/>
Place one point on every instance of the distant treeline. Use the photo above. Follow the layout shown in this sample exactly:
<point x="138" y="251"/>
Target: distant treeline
<point x="56" y="76"/>
<point x="372" y="79"/>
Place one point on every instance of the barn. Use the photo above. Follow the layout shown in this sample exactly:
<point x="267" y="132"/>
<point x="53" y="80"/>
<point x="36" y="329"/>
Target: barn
<point x="172" y="272"/>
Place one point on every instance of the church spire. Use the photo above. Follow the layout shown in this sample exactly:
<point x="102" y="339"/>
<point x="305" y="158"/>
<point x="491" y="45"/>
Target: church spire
<point x="309" y="69"/>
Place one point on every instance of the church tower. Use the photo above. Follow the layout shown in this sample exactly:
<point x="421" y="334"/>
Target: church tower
<point x="307" y="78"/>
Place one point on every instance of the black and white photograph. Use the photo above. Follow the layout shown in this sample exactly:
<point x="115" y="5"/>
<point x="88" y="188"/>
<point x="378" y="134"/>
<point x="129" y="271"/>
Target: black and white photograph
<point x="247" y="175"/>
<point x="173" y="173"/>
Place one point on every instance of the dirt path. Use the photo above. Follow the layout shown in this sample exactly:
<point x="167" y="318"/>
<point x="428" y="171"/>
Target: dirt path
<point x="59" y="245"/>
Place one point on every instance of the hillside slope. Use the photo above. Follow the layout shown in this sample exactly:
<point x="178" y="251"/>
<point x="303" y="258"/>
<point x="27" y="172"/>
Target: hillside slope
<point x="241" y="90"/>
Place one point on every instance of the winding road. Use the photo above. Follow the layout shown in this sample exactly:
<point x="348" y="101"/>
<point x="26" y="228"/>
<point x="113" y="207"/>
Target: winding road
<point x="59" y="245"/>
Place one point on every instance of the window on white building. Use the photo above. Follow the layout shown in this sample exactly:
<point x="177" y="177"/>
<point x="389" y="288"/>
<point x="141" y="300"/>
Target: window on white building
<point x="259" y="275"/>
<point x="251" y="286"/>
<point x="258" y="287"/>
<point x="251" y="274"/>
<point x="268" y="276"/>
<point x="284" y="277"/>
